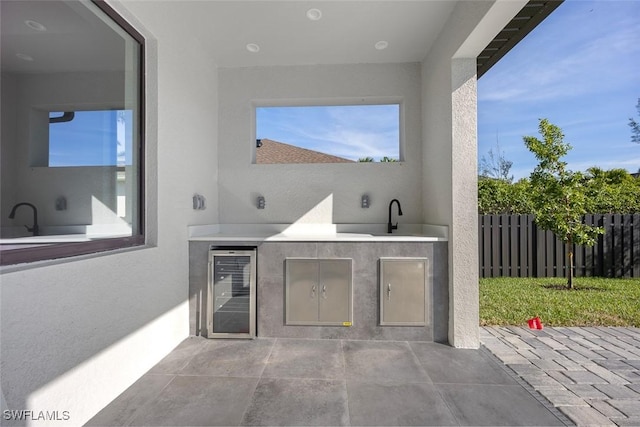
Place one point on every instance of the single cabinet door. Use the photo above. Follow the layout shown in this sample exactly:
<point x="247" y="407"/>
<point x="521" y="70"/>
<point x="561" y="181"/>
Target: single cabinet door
<point x="335" y="291"/>
<point x="302" y="291"/>
<point x="403" y="291"/>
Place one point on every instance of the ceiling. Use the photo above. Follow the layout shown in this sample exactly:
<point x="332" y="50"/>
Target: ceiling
<point x="347" y="32"/>
<point x="73" y="38"/>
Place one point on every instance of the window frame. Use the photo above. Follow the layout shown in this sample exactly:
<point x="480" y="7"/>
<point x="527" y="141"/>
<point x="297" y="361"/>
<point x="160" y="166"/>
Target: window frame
<point x="20" y="253"/>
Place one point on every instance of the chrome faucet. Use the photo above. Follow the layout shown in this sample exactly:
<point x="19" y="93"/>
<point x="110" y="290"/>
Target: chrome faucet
<point x="390" y="226"/>
<point x="35" y="229"/>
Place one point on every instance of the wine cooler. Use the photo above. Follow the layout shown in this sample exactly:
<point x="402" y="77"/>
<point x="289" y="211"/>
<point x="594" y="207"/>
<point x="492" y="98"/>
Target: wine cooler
<point x="231" y="296"/>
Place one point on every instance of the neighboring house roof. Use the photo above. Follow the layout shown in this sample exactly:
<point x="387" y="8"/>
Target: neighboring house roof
<point x="278" y="152"/>
<point x="532" y="14"/>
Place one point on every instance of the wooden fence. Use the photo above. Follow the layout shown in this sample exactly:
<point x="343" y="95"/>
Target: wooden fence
<point x="513" y="246"/>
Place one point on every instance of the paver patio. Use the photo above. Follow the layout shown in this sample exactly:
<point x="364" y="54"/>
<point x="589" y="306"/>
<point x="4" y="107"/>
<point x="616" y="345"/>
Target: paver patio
<point x="599" y="379"/>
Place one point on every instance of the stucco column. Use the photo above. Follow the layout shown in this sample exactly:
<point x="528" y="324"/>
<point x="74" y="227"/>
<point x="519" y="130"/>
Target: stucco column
<point x="463" y="237"/>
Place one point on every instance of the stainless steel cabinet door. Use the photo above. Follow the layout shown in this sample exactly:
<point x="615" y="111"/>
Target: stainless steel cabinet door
<point x="318" y="291"/>
<point x="335" y="291"/>
<point x="302" y="291"/>
<point x="403" y="291"/>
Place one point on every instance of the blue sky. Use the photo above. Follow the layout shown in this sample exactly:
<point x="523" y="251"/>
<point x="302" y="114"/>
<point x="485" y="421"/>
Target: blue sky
<point x="92" y="138"/>
<point x="348" y="131"/>
<point x="580" y="68"/>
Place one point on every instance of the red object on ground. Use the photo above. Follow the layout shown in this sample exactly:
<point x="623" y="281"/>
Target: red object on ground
<point x="535" y="323"/>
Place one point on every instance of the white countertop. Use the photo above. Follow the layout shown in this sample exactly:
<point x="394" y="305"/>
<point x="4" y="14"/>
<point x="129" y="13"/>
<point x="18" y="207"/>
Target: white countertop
<point x="317" y="233"/>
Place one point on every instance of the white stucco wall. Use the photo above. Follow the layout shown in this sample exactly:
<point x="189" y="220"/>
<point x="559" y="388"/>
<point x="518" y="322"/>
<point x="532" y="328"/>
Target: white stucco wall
<point x="317" y="193"/>
<point x="450" y="149"/>
<point x="76" y="333"/>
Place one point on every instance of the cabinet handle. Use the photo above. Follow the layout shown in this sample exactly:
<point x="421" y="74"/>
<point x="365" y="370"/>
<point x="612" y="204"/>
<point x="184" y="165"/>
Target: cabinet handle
<point x="324" y="291"/>
<point x="389" y="291"/>
<point x="313" y="291"/>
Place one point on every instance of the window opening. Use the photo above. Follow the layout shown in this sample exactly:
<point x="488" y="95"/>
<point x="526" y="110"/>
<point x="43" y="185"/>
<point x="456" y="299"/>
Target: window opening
<point x="328" y="133"/>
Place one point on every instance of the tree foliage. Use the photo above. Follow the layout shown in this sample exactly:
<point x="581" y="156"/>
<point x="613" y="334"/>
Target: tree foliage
<point x="497" y="196"/>
<point x="496" y="165"/>
<point x="559" y="196"/>
<point x="608" y="192"/>
<point x="369" y="159"/>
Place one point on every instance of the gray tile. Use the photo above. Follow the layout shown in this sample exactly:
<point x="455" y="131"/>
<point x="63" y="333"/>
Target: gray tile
<point x="617" y="391"/>
<point x="560" y="397"/>
<point x="574" y="356"/>
<point x="382" y="361"/>
<point x="239" y="358"/>
<point x="606" y="374"/>
<point x="633" y="421"/>
<point x="292" y="358"/>
<point x="586" y="391"/>
<point x="586" y="416"/>
<point x="562" y="379"/>
<point x="605" y="409"/>
<point x="541" y="380"/>
<point x="570" y="365"/>
<point x="547" y="365"/>
<point x="630" y="408"/>
<point x="446" y="364"/>
<point x="525" y="369"/>
<point x="496" y="405"/>
<point x="278" y="401"/>
<point x="629" y="376"/>
<point x="608" y="354"/>
<point x="120" y="411"/>
<point x="633" y="362"/>
<point x="199" y="401"/>
<point x="584" y="377"/>
<point x="417" y="404"/>
<point x="179" y="357"/>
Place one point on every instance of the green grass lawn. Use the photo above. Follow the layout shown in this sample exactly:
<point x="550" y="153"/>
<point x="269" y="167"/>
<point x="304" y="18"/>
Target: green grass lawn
<point x="593" y="302"/>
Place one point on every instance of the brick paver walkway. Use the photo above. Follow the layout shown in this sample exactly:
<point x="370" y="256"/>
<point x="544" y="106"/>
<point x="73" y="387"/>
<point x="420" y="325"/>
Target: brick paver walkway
<point x="592" y="375"/>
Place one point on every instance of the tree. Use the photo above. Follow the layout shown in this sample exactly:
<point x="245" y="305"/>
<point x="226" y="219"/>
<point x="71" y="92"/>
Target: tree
<point x="367" y="159"/>
<point x="635" y="126"/>
<point x="497" y="196"/>
<point x="496" y="166"/>
<point x="386" y="159"/>
<point x="559" y="199"/>
<point x="612" y="191"/>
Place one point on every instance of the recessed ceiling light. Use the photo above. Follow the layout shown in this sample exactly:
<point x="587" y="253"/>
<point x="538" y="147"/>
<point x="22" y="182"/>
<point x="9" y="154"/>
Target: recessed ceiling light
<point x="314" y="14"/>
<point x="24" y="57"/>
<point x="253" y="48"/>
<point x="382" y="44"/>
<point x="34" y="25"/>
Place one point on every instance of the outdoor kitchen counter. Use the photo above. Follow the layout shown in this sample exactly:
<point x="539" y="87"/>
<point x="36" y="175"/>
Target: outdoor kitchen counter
<point x="317" y="233"/>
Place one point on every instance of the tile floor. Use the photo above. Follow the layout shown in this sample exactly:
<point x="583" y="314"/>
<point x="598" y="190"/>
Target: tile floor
<point x="329" y="383"/>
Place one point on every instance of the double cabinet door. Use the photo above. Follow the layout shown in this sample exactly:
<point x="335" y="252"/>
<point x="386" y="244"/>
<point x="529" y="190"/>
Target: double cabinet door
<point x="318" y="291"/>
